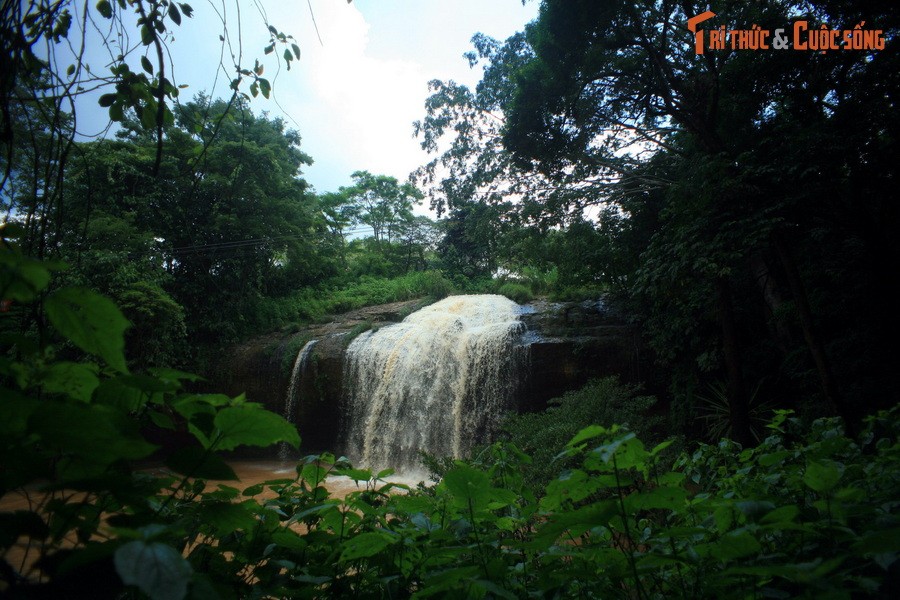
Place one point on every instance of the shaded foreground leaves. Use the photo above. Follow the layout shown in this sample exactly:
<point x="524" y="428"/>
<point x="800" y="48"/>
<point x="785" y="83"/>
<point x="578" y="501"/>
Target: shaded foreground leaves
<point x="809" y="512"/>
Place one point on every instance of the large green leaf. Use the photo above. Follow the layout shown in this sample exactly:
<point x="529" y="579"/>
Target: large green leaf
<point x="15" y="409"/>
<point x="21" y="278"/>
<point x="90" y="321"/>
<point x="470" y="486"/>
<point x="155" y="568"/>
<point x="227" y="517"/>
<point x="94" y="432"/>
<point x="364" y="545"/>
<point x="76" y="380"/>
<point x="663" y="497"/>
<point x="251" y="425"/>
<point x="823" y="475"/>
<point x="197" y="462"/>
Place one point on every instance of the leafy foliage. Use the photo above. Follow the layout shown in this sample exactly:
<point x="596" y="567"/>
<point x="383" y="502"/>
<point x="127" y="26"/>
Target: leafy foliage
<point x="600" y="402"/>
<point x="809" y="512"/>
<point x="515" y="292"/>
<point x="602" y="146"/>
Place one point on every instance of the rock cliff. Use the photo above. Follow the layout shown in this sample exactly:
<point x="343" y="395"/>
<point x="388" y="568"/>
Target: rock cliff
<point x="568" y="344"/>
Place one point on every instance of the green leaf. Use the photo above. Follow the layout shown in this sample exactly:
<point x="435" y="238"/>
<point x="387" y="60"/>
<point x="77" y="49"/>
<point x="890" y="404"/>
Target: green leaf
<point x="73" y="379"/>
<point x="161" y="420"/>
<point x="116" y="113"/>
<point x="251" y="425"/>
<point x="227" y="517"/>
<point x="773" y="458"/>
<point x="356" y="474"/>
<point x="90" y="321"/>
<point x="21" y="277"/>
<point x="118" y="393"/>
<point x="148" y="115"/>
<point x="823" y="476"/>
<point x="147" y="65"/>
<point x="167" y="374"/>
<point x="156" y="569"/>
<point x="70" y="70"/>
<point x="586" y="434"/>
<point x="146" y="35"/>
<point x="197" y="462"/>
<point x="577" y="521"/>
<point x="288" y="539"/>
<point x="364" y="545"/>
<point x="468" y="485"/>
<point x="105" y="9"/>
<point x="881" y="541"/>
<point x="174" y="14"/>
<point x="265" y="87"/>
<point x="660" y="447"/>
<point x="94" y="432"/>
<point x="736" y="544"/>
<point x="15" y="409"/>
<point x="296" y="50"/>
<point x="107" y="99"/>
<point x="668" y="498"/>
<point x="781" y="515"/>
<point x="186" y="9"/>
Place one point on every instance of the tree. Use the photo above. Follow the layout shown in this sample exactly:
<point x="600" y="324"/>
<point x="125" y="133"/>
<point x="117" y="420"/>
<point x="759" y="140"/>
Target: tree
<point x="380" y="202"/>
<point x="43" y="71"/>
<point x="608" y="104"/>
<point x="630" y="68"/>
<point x="223" y="225"/>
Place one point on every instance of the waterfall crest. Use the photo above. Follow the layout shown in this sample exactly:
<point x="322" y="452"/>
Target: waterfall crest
<point x="438" y="381"/>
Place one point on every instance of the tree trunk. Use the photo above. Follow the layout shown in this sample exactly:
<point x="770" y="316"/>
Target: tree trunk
<point x="772" y="301"/>
<point x="738" y="403"/>
<point x="810" y="334"/>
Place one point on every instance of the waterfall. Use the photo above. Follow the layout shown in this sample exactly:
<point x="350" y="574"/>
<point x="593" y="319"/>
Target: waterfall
<point x="439" y="381"/>
<point x="290" y="401"/>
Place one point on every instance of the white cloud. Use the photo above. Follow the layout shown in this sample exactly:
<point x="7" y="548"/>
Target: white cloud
<point x="355" y="111"/>
<point x="353" y="98"/>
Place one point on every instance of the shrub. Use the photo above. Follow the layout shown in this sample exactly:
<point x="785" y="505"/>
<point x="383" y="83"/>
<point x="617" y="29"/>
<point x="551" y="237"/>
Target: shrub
<point x="601" y="401"/>
<point x="516" y="292"/>
<point x="435" y="285"/>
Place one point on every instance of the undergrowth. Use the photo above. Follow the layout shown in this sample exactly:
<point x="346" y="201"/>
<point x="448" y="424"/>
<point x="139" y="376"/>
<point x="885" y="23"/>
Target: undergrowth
<point x="811" y="512"/>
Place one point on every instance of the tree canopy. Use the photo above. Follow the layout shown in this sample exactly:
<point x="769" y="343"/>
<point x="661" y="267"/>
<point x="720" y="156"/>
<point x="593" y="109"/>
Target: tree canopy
<point x="732" y="169"/>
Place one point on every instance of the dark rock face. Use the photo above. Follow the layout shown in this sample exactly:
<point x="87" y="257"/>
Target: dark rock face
<point x="568" y="344"/>
<point x="571" y="343"/>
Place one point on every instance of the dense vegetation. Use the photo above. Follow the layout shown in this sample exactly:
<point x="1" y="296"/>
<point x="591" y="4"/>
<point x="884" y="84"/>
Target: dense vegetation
<point x="741" y="204"/>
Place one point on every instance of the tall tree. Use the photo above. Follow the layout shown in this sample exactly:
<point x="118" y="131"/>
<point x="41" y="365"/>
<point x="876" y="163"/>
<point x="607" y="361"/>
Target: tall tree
<point x="603" y="70"/>
<point x="608" y="103"/>
<point x="230" y="222"/>
<point x="380" y="202"/>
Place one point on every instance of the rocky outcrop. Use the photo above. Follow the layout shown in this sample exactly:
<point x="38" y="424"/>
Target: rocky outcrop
<point x="568" y="344"/>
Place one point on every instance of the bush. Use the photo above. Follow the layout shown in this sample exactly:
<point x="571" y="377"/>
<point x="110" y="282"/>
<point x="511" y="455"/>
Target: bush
<point x="601" y="402"/>
<point x="436" y="285"/>
<point x="516" y="292"/>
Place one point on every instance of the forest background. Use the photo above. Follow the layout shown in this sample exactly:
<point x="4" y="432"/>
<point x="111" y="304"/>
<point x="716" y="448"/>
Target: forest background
<point x="741" y="204"/>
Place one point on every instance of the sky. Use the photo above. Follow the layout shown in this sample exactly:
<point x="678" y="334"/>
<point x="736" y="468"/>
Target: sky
<point x="354" y="96"/>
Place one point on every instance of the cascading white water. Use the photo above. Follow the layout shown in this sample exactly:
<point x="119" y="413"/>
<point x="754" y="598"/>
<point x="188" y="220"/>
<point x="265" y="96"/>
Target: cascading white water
<point x="290" y="403"/>
<point x="438" y="381"/>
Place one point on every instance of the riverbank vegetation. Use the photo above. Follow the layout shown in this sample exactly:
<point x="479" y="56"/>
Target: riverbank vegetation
<point x="740" y="205"/>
